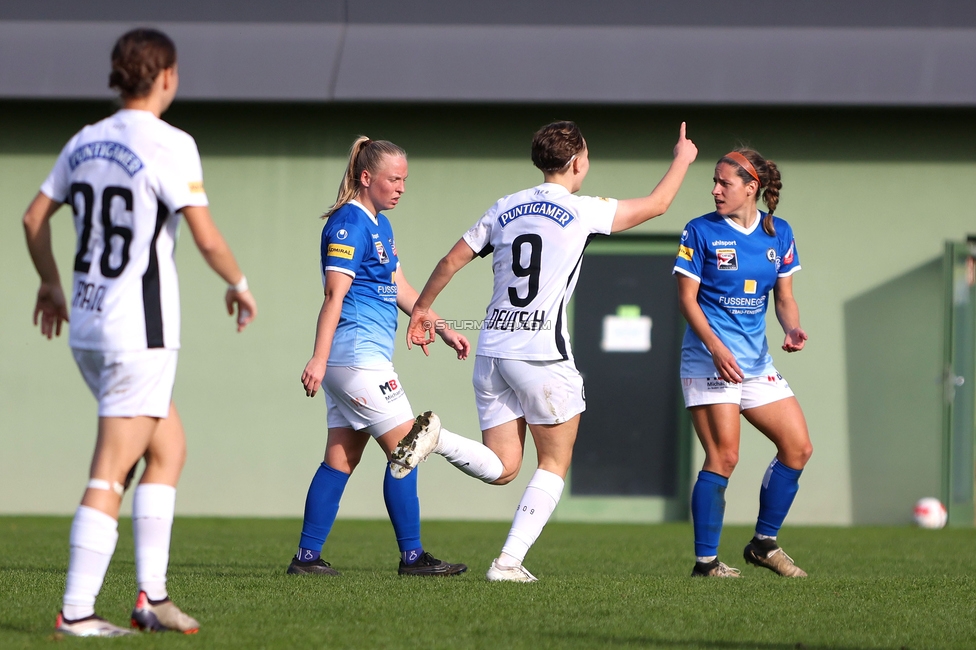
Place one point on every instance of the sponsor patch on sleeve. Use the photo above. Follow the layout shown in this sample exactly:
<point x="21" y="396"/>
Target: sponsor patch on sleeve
<point x="685" y="253"/>
<point x="788" y="258"/>
<point x="196" y="187"/>
<point x="339" y="250"/>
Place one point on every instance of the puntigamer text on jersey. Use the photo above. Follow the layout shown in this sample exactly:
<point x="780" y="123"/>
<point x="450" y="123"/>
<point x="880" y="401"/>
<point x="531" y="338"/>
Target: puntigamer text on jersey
<point x="537" y="209"/>
<point x="113" y="151"/>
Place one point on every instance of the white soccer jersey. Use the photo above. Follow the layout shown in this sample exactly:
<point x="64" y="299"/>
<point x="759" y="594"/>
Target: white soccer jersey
<point x="536" y="237"/>
<point x="125" y="179"/>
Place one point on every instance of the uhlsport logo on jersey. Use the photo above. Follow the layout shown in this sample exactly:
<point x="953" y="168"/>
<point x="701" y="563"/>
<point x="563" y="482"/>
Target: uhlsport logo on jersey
<point x="111" y="151"/>
<point x="727" y="259"/>
<point x="339" y="250"/>
<point x="551" y="211"/>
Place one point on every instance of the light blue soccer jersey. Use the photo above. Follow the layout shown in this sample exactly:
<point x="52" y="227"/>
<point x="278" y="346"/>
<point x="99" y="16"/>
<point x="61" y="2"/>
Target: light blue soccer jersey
<point x="737" y="268"/>
<point x="354" y="244"/>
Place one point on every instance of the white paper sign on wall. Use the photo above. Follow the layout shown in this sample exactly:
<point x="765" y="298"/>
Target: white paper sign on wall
<point x="626" y="331"/>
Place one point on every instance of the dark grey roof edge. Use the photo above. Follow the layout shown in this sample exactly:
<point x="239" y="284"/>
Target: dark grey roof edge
<point x="648" y="13"/>
<point x="329" y="62"/>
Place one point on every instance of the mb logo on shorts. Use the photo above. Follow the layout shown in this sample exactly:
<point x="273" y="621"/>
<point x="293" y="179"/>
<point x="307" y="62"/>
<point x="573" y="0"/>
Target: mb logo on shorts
<point x="391" y="390"/>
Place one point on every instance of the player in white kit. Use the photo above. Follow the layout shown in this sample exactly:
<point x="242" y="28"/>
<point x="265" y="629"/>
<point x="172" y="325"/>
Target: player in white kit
<point x="524" y="371"/>
<point x="128" y="179"/>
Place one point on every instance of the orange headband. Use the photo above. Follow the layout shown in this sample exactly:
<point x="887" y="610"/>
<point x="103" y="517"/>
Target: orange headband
<point x="744" y="163"/>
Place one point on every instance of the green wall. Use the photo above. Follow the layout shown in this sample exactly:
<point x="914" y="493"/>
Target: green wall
<point x="872" y="195"/>
<point x="894" y="390"/>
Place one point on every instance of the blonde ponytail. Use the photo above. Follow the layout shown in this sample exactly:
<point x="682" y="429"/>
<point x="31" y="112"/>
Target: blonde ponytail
<point x="364" y="155"/>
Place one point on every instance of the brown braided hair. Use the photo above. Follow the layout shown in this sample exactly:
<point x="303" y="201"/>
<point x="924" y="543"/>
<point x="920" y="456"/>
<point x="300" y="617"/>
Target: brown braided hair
<point x="770" y="181"/>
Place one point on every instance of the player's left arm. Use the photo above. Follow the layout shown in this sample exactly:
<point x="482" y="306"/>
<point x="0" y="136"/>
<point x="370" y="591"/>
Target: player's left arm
<point x="788" y="314"/>
<point x="421" y="323"/>
<point x="51" y="305"/>
<point x="407" y="298"/>
<point x="220" y="258"/>
<point x="633" y="212"/>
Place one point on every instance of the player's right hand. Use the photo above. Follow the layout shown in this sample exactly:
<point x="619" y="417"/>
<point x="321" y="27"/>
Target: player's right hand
<point x="247" y="306"/>
<point x="795" y="339"/>
<point x="52" y="309"/>
<point x="728" y="368"/>
<point x="685" y="150"/>
<point x="420" y="331"/>
<point x="312" y="375"/>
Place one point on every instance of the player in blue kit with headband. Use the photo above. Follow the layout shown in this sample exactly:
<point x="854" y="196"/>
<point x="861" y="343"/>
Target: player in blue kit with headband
<point x="727" y="264"/>
<point x="352" y="361"/>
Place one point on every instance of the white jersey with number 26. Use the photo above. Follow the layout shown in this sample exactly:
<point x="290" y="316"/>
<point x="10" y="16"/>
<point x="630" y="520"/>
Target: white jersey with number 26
<point x="125" y="178"/>
<point x="536" y="238"/>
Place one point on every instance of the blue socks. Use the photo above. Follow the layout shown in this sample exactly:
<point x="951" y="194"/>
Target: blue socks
<point x="321" y="507"/>
<point x="779" y="487"/>
<point x="403" y="506"/>
<point x="708" y="512"/>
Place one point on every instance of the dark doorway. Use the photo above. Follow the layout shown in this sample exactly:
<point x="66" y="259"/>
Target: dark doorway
<point x="633" y="438"/>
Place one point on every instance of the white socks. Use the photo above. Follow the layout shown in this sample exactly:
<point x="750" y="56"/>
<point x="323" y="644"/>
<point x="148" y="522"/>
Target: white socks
<point x="93" y="538"/>
<point x="469" y="456"/>
<point x="539" y="500"/>
<point x="153" y="505"/>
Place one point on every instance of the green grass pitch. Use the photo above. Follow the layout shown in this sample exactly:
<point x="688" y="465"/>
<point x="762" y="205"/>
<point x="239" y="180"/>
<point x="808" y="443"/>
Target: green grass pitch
<point x="601" y="586"/>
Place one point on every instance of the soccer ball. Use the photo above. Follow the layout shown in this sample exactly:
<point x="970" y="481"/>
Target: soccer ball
<point x="930" y="513"/>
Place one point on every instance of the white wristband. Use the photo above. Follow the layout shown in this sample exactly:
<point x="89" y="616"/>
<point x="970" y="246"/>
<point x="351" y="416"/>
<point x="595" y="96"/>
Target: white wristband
<point x="241" y="286"/>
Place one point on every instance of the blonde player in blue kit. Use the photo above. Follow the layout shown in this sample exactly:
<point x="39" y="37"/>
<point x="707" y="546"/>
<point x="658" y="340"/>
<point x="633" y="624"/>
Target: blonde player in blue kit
<point x="727" y="264"/>
<point x="128" y="180"/>
<point x="524" y="374"/>
<point x="352" y="362"/>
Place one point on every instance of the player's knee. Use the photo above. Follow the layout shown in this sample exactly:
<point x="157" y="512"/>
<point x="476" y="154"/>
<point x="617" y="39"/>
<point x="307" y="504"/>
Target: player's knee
<point x="797" y="455"/>
<point x="347" y="464"/>
<point x="804" y="453"/>
<point x="166" y="459"/>
<point x="507" y="477"/>
<point x="344" y="462"/>
<point x="728" y="459"/>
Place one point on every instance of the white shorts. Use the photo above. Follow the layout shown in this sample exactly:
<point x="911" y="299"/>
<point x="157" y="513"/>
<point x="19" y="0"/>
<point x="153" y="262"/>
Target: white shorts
<point x="752" y="392"/>
<point x="367" y="399"/>
<point x="543" y="392"/>
<point x="129" y="384"/>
